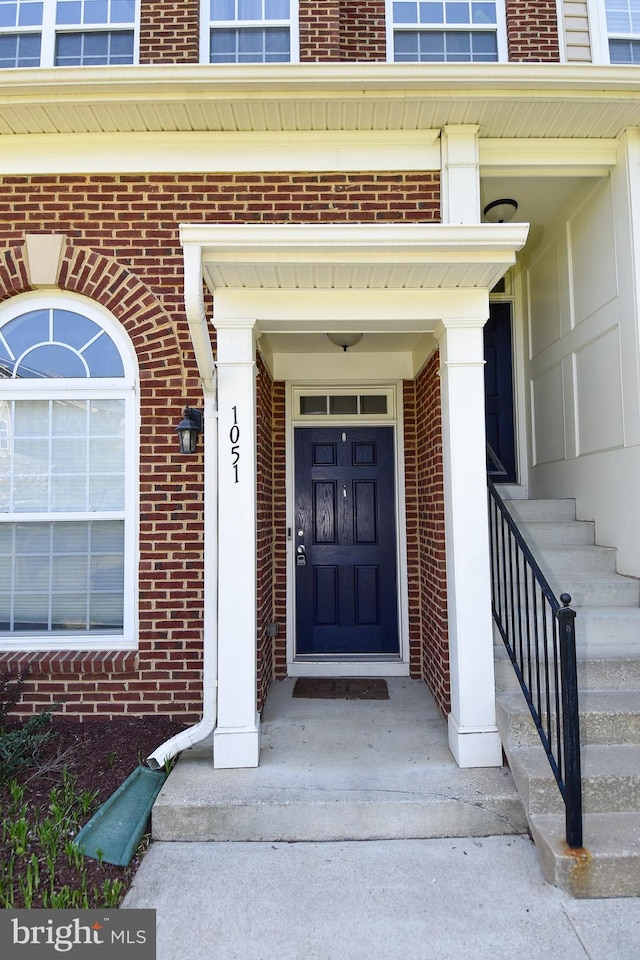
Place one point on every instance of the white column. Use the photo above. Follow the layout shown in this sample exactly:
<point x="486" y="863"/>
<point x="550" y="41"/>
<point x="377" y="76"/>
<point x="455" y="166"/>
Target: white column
<point x="236" y="739"/>
<point x="460" y="176"/>
<point x="473" y="735"/>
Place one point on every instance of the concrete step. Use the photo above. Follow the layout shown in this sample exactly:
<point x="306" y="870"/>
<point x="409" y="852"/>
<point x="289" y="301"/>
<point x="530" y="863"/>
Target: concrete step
<point x="340" y="770"/>
<point x="606" y="660"/>
<point x="610" y="779"/>
<point x="578" y="559"/>
<point x="607" y="866"/>
<point x="603" y="629"/>
<point x="558" y="534"/>
<point x="612" y="673"/>
<point x="606" y="717"/>
<point x="596" y="590"/>
<point x="531" y="511"/>
<point x="328" y="803"/>
<point x="586" y="589"/>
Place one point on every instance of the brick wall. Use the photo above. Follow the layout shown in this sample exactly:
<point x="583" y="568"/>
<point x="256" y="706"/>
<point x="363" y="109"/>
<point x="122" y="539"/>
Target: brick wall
<point x="280" y="528"/>
<point x="123" y="251"/>
<point x="412" y="525"/>
<point x="319" y="25"/>
<point x="429" y="647"/>
<point x="265" y="527"/>
<point x="362" y="30"/>
<point x="532" y="30"/>
<point x="169" y="32"/>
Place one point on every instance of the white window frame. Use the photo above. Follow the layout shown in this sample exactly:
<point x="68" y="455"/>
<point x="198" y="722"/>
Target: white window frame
<point x="292" y="23"/>
<point x="125" y="388"/>
<point x="49" y="30"/>
<point x="599" y="34"/>
<point x="327" y="419"/>
<point x="500" y="28"/>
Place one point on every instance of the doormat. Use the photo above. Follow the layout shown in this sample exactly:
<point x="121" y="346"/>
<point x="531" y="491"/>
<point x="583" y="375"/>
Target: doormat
<point x="347" y="688"/>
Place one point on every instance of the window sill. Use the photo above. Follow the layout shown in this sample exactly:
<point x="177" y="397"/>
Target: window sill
<point x="55" y="662"/>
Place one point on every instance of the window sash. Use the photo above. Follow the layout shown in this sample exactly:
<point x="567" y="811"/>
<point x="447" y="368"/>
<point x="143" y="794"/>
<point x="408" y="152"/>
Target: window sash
<point x="61" y="578"/>
<point x="443" y="21"/>
<point x="50" y="29"/>
<point x="446" y="46"/>
<point x="244" y="29"/>
<point x="624" y="50"/>
<point x="63" y="456"/>
<point x="63" y="552"/>
<point x="622" y="18"/>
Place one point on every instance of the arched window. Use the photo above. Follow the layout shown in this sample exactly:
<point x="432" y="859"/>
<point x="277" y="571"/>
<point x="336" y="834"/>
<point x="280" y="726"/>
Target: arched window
<point x="67" y="476"/>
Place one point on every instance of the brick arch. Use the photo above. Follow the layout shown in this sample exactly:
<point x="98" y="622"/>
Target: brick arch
<point x="154" y="335"/>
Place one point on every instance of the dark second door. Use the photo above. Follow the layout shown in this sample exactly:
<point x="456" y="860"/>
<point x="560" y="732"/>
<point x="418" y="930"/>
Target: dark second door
<point x="498" y="380"/>
<point x="345" y="541"/>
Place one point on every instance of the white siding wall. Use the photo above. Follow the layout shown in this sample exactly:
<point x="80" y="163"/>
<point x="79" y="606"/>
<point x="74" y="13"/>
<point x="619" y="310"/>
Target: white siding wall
<point x="583" y="358"/>
<point x="575" y="20"/>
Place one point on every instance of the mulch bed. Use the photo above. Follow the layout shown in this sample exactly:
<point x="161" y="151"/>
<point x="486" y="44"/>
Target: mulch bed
<point x="100" y="755"/>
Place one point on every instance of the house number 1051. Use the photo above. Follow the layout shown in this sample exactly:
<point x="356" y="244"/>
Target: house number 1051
<point x="234" y="437"/>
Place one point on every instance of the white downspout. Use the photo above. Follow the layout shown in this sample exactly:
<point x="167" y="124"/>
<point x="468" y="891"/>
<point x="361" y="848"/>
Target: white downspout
<point x="196" y="317"/>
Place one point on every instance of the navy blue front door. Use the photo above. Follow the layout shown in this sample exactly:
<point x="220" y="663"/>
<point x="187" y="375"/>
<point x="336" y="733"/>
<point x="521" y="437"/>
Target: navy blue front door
<point x="345" y="541"/>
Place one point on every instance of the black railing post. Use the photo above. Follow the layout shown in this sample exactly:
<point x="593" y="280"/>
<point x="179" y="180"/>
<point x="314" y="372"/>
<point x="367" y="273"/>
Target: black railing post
<point x="571" y="726"/>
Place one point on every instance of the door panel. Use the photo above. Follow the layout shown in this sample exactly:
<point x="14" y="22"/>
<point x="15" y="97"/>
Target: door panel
<point x="345" y="541"/>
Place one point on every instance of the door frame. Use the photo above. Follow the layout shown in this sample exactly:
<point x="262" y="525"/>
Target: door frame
<point x="336" y="666"/>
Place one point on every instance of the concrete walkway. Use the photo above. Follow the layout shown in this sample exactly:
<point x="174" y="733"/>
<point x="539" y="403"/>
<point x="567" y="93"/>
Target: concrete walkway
<point x="358" y="838"/>
<point x="469" y="899"/>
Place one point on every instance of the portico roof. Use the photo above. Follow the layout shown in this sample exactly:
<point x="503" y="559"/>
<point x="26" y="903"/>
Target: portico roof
<point x="290" y="277"/>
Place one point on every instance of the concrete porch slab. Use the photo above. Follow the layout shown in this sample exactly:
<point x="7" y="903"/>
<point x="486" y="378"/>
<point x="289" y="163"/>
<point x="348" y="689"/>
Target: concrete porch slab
<point x="340" y="770"/>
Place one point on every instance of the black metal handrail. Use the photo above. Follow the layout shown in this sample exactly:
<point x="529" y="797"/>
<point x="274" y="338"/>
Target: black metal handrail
<point x="539" y="635"/>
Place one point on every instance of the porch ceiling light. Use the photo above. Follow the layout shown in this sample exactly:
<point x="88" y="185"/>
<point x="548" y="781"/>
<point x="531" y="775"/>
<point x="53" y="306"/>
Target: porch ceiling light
<point x="345" y="340"/>
<point x="188" y="429"/>
<point x="500" y="211"/>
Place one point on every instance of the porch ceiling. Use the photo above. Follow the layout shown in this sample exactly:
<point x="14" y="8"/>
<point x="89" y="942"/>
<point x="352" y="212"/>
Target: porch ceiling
<point x="505" y="100"/>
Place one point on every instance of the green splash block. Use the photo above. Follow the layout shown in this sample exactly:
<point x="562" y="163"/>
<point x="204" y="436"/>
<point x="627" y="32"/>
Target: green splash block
<point x="114" y="831"/>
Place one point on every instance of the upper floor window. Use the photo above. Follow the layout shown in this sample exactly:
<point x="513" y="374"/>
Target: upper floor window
<point x="456" y="31"/>
<point x="623" y="29"/>
<point x="249" y="31"/>
<point x="67" y="33"/>
<point x="67" y="477"/>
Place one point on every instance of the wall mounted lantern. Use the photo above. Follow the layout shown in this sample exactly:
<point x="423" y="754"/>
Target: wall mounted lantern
<point x="345" y="340"/>
<point x="500" y="211"/>
<point x="188" y="429"/>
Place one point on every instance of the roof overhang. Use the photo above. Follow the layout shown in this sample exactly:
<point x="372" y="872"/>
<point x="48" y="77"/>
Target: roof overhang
<point x="505" y="100"/>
